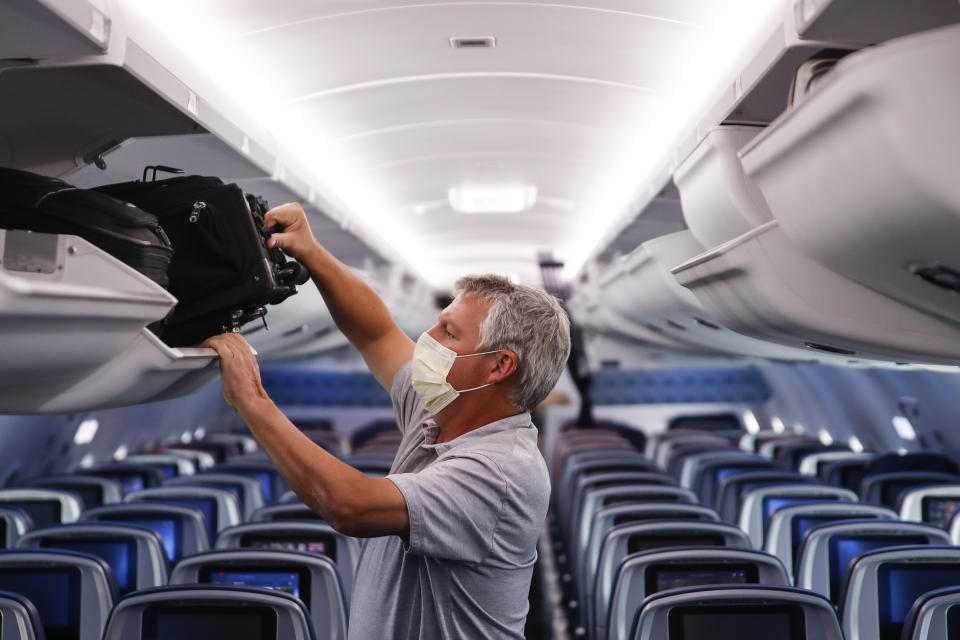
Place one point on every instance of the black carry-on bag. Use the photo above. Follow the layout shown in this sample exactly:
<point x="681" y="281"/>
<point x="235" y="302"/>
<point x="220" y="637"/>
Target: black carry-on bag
<point x="32" y="202"/>
<point x="223" y="275"/>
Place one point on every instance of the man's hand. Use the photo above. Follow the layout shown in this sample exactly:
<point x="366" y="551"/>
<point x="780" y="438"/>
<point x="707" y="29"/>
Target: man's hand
<point x="297" y="239"/>
<point x="239" y="371"/>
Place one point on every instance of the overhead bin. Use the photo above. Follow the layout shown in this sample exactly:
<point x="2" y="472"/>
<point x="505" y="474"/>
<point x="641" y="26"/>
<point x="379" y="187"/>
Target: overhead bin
<point x="858" y="22"/>
<point x="719" y="201"/>
<point x="644" y="290"/>
<point x="73" y="331"/>
<point x="42" y="28"/>
<point x="761" y="285"/>
<point x="862" y="176"/>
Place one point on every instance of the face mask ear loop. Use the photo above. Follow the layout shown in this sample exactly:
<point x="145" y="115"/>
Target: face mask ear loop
<point x="482" y="353"/>
<point x="489" y="384"/>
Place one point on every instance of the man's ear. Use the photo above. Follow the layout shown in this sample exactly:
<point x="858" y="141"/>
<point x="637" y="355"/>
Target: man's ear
<point x="505" y="366"/>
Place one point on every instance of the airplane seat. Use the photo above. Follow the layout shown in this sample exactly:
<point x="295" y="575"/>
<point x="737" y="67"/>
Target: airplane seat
<point x="935" y="615"/>
<point x="585" y="560"/>
<point x="583" y="484"/>
<point x="248" y="491"/>
<point x="289" y="497"/>
<point x="793" y="454"/>
<point x="132" y="477"/>
<point x="736" y="484"/>
<point x="667" y="442"/>
<point x="313" y="579"/>
<point x="200" y="459"/>
<point x="201" y="612"/>
<point x="563" y="451"/>
<point x="73" y="592"/>
<point x="598" y="462"/>
<point x="92" y="490"/>
<point x="19" y="618"/>
<point x="883" y="584"/>
<point x="885" y="488"/>
<point x="846" y="472"/>
<point x="774" y="448"/>
<point x="921" y="461"/>
<point x="270" y="479"/>
<point x="811" y="463"/>
<point x="758" y="504"/>
<point x="135" y="554"/>
<point x="788" y="526"/>
<point x="709" y="475"/>
<point x="172" y="465"/>
<point x="219" y="451"/>
<point x="365" y="433"/>
<point x="828" y="549"/>
<point x="646" y="573"/>
<point x="372" y="462"/>
<point x="935" y="504"/>
<point x="13" y="524"/>
<point x="676" y="454"/>
<point x="622" y="541"/>
<point x="219" y="506"/>
<point x="733" y="612"/>
<point x="633" y="434"/>
<point x="290" y="511"/>
<point x="953" y="529"/>
<point x="45" y="507"/>
<point x="310" y="537"/>
<point x="722" y="423"/>
<point x="182" y="529"/>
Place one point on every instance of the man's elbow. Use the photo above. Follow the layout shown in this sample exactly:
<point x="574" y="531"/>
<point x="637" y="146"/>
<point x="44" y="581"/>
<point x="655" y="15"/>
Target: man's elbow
<point x="345" y="518"/>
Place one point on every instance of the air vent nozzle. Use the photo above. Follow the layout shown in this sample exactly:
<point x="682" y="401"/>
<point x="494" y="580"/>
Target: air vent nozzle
<point x="473" y="42"/>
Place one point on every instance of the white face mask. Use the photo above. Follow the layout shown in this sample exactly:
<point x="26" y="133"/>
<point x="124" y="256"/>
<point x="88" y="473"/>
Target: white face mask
<point x="431" y="364"/>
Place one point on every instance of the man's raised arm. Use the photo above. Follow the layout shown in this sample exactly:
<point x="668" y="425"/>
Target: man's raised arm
<point x="356" y="308"/>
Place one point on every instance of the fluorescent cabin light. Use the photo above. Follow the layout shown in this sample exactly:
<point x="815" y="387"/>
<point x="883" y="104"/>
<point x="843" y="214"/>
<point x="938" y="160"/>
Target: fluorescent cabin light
<point x="778" y="425"/>
<point x="904" y="428"/>
<point x="86" y="431"/>
<point x="825" y="437"/>
<point x="492" y="199"/>
<point x="750" y="422"/>
<point x="855" y="444"/>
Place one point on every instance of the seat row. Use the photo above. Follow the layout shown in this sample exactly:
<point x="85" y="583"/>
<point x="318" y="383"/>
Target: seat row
<point x="626" y="527"/>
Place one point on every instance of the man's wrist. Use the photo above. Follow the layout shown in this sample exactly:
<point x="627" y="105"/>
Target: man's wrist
<point x="256" y="407"/>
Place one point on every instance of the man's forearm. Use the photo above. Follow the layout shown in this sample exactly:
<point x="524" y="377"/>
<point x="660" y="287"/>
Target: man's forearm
<point x="356" y="308"/>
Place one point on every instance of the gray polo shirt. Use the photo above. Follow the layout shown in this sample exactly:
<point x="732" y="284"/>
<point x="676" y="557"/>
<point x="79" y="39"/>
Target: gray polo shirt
<point x="476" y="505"/>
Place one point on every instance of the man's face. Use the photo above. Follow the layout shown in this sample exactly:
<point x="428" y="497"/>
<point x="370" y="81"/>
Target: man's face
<point x="458" y="328"/>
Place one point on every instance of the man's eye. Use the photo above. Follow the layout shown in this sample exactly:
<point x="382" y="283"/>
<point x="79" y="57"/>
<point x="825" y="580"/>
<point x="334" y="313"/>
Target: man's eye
<point x="449" y="335"/>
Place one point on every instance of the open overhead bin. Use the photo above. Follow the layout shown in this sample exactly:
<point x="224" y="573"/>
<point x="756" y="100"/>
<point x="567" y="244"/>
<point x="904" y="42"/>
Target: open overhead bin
<point x="761" y="285"/>
<point x="37" y="29"/>
<point x="862" y="175"/>
<point x="73" y="331"/>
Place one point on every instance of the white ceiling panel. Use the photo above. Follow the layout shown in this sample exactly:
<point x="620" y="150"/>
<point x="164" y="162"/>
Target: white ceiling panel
<point x="579" y="99"/>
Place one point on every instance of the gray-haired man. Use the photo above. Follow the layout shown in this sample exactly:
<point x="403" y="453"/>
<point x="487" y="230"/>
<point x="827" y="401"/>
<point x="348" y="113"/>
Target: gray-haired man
<point x="454" y="526"/>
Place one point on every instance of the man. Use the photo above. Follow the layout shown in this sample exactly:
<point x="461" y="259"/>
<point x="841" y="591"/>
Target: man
<point x="454" y="527"/>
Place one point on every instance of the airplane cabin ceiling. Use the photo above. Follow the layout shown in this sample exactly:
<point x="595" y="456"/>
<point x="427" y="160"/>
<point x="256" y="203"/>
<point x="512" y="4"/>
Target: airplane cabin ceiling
<point x="577" y="99"/>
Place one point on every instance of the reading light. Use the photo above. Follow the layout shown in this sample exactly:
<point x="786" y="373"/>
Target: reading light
<point x="492" y="199"/>
<point x="86" y="431"/>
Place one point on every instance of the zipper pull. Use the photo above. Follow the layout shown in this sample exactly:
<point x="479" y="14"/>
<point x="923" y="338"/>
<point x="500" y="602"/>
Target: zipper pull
<point x="195" y="212"/>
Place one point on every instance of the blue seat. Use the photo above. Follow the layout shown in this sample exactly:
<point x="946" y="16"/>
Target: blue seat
<point x="73" y="592"/>
<point x="935" y="504"/>
<point x="182" y="529"/>
<point x="934" y="616"/>
<point x="44" y="506"/>
<point x="290" y="511"/>
<point x="135" y="554"/>
<point x="92" y="490"/>
<point x="644" y="574"/>
<point x="313" y="579"/>
<point x="885" y="488"/>
<point x="219" y="506"/>
<point x="736" y="612"/>
<point x="132" y="477"/>
<point x="248" y="491"/>
<point x="13" y="524"/>
<point x="202" y="612"/>
<point x="19" y="619"/>
<point x="759" y="503"/>
<point x="270" y="479"/>
<point x="735" y="484"/>
<point x="828" y="549"/>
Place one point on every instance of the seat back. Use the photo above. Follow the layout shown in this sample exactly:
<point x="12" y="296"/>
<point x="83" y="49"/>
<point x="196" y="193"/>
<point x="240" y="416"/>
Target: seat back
<point x="885" y="488"/>
<point x="201" y="459"/>
<point x="689" y="469"/>
<point x="202" y="612"/>
<point x="935" y="504"/>
<point x="219" y="506"/>
<point x="13" y="524"/>
<point x="788" y="526"/>
<point x="669" y="453"/>
<point x="572" y="515"/>
<point x="93" y="491"/>
<point x="132" y="477"/>
<point x="135" y="554"/>
<point x="311" y="537"/>
<point x="270" y="480"/>
<point x="828" y="549"/>
<point x="882" y="586"/>
<point x="711" y="473"/>
<point x="44" y="506"/>
<point x="19" y="619"/>
<point x="73" y="592"/>
<point x="634" y="537"/>
<point x="811" y="464"/>
<point x="623" y="462"/>
<point x="182" y="530"/>
<point x="757" y="505"/>
<point x="733" y="486"/>
<point x="643" y="574"/>
<point x="248" y="491"/>
<point x="172" y="465"/>
<point x="290" y="511"/>
<point x="934" y="616"/>
<point x="312" y="578"/>
<point x="733" y="612"/>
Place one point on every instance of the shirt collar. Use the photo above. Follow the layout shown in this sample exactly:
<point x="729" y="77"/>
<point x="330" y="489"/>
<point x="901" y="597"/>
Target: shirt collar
<point x="431" y="431"/>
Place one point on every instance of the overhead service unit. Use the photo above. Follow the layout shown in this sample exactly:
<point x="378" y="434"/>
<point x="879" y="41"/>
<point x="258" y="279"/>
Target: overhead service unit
<point x="857" y="257"/>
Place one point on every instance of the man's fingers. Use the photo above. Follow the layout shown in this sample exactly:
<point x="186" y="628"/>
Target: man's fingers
<point x="284" y="214"/>
<point x="279" y="241"/>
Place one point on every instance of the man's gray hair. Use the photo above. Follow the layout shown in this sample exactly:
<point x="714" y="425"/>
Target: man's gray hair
<point x="531" y="323"/>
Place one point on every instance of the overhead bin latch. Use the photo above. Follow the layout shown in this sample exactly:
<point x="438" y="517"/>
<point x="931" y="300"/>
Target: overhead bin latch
<point x="157" y="167"/>
<point x="939" y="276"/>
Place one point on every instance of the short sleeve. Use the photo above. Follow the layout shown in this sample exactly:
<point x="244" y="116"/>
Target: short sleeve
<point x="406" y="404"/>
<point x="454" y="506"/>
